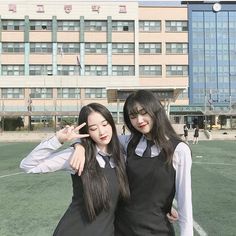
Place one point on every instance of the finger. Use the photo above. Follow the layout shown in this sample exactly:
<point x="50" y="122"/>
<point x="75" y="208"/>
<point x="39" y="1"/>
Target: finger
<point x="170" y="217"/>
<point x="80" y="126"/>
<point x="81" y="167"/>
<point x="72" y="163"/>
<point x="83" y="135"/>
<point x="174" y="212"/>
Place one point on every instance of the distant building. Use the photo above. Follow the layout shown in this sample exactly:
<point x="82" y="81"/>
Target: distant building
<point x="61" y="56"/>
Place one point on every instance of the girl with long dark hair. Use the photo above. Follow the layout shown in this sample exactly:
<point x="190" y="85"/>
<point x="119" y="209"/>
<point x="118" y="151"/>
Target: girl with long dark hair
<point x="103" y="182"/>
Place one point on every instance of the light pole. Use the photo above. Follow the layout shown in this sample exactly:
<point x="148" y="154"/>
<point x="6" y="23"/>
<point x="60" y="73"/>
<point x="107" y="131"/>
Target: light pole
<point x="29" y="108"/>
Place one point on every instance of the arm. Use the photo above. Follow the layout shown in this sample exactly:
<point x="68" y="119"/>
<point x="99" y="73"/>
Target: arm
<point x="44" y="157"/>
<point x="78" y="157"/>
<point x="182" y="163"/>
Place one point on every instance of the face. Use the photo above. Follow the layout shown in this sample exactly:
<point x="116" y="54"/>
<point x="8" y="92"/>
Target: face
<point x="100" y="130"/>
<point x="141" y="120"/>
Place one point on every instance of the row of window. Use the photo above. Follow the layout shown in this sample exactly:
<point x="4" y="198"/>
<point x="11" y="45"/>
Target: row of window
<point x="98" y="25"/>
<point x="97" y="70"/>
<point x="65" y="93"/>
<point x="97" y="48"/>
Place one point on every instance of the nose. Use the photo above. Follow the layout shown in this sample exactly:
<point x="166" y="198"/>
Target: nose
<point x="139" y="118"/>
<point x="101" y="130"/>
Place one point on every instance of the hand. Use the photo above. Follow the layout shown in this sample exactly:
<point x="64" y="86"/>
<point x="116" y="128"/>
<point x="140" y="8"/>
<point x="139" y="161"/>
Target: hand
<point x="78" y="159"/>
<point x="70" y="133"/>
<point x="173" y="216"/>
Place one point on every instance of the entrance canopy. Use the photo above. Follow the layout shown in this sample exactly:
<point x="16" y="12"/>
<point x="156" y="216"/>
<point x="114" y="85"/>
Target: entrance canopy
<point x="115" y="95"/>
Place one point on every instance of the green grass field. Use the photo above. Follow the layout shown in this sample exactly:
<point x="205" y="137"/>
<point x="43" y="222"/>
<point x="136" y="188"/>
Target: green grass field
<point x="31" y="205"/>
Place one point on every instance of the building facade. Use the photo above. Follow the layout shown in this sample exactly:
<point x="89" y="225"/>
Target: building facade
<point x="212" y="56"/>
<point x="56" y="56"/>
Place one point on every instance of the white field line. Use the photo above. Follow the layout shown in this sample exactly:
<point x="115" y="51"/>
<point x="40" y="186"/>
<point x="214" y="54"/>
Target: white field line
<point x="4" y="176"/>
<point x="196" y="226"/>
<point x="199" y="229"/>
<point x="210" y="163"/>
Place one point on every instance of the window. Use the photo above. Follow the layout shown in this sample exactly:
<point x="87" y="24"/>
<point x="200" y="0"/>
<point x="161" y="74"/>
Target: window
<point x="68" y="48"/>
<point x="122" y="48"/>
<point x="40" y="47"/>
<point x="12" y="70"/>
<point x="176" y="70"/>
<point x="40" y="70"/>
<point x="149" y="48"/>
<point x="97" y="48"/>
<point x="96" y="70"/>
<point x="95" y="25"/>
<point x="68" y="25"/>
<point x="13" y="47"/>
<point x="123" y="70"/>
<point x="176" y="48"/>
<point x="13" y="25"/>
<point x="123" y="26"/>
<point x="176" y="26"/>
<point x="150" y="70"/>
<point x="41" y="93"/>
<point x="41" y="25"/>
<point x="68" y="93"/>
<point x="150" y="26"/>
<point x="68" y="70"/>
<point x="95" y="93"/>
<point x="13" y="93"/>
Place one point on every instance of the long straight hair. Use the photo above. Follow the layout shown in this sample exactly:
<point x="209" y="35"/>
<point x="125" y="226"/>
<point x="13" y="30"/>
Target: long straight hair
<point x="95" y="184"/>
<point x="162" y="131"/>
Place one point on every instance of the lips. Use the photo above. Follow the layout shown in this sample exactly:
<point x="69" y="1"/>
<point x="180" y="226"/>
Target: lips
<point x="103" y="137"/>
<point x="142" y="126"/>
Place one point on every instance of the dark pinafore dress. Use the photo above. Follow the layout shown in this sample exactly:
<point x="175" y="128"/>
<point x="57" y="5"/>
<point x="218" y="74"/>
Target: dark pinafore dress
<point x="75" y="221"/>
<point x="152" y="186"/>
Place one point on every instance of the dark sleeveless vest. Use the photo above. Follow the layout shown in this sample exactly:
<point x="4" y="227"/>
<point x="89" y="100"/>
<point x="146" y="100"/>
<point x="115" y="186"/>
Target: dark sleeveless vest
<point x="152" y="186"/>
<point x="75" y="221"/>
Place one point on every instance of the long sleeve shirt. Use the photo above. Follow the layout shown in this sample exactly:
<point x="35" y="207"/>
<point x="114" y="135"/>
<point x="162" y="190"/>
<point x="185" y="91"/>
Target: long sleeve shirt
<point x="45" y="158"/>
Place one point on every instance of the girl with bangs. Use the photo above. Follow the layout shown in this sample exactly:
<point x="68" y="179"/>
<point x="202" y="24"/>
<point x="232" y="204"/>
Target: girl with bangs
<point x="158" y="166"/>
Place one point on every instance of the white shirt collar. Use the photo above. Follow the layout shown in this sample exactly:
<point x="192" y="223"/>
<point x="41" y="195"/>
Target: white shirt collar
<point x="155" y="150"/>
<point x="101" y="160"/>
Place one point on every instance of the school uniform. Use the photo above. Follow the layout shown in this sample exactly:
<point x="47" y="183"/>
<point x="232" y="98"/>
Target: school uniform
<point x="196" y="133"/>
<point x="75" y="221"/>
<point x="153" y="185"/>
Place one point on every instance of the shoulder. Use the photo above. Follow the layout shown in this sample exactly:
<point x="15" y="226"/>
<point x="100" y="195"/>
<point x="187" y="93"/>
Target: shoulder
<point x="182" y="154"/>
<point x="124" y="139"/>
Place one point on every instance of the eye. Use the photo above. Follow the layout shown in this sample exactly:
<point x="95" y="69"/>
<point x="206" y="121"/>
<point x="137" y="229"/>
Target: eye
<point x="132" y="116"/>
<point x="93" y="129"/>
<point x="143" y="112"/>
<point x="105" y="123"/>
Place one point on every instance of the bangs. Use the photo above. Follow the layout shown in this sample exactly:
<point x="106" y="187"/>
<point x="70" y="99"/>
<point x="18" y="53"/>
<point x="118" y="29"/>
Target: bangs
<point x="132" y="108"/>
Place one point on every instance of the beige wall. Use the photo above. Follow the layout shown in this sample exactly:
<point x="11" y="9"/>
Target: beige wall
<point x="83" y="8"/>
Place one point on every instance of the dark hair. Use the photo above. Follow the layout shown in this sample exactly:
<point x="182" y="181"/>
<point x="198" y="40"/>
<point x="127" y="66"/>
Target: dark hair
<point x="162" y="132"/>
<point x="95" y="185"/>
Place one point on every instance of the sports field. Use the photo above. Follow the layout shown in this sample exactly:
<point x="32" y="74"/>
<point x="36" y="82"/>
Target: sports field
<point x="31" y="205"/>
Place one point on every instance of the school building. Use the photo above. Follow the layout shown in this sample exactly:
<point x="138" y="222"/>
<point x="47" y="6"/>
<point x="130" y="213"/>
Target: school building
<point x="56" y="56"/>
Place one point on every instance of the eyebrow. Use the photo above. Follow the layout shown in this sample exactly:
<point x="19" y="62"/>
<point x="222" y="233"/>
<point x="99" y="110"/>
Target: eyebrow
<point x="89" y="126"/>
<point x="136" y="111"/>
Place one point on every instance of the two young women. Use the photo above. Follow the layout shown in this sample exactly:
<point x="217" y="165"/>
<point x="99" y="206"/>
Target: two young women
<point x="158" y="165"/>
